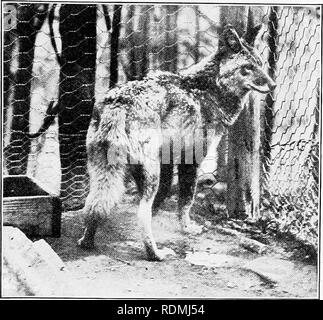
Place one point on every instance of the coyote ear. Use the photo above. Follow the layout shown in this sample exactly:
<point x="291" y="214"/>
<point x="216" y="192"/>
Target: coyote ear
<point x="251" y="34"/>
<point x="231" y="38"/>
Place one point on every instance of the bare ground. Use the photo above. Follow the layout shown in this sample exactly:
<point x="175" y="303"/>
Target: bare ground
<point x="213" y="264"/>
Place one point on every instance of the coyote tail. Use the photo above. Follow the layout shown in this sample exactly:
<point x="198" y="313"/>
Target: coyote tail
<point x="112" y="131"/>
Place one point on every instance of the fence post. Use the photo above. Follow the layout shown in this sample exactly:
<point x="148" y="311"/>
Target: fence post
<point x="76" y="97"/>
<point x="243" y="192"/>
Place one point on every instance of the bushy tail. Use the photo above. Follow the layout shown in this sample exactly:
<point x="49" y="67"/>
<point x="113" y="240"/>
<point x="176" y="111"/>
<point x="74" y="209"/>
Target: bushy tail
<point x="112" y="132"/>
<point x="107" y="147"/>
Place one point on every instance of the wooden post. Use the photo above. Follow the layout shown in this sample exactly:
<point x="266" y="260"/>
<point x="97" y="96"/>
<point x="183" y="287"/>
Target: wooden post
<point x="243" y="192"/>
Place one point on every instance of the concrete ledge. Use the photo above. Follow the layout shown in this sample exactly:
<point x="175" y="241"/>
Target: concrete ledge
<point x="33" y="268"/>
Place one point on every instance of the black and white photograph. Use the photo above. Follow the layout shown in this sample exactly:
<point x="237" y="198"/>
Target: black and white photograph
<point x="160" y="150"/>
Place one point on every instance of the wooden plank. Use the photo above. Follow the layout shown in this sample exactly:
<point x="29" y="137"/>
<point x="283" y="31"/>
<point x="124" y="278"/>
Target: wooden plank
<point x="30" y="208"/>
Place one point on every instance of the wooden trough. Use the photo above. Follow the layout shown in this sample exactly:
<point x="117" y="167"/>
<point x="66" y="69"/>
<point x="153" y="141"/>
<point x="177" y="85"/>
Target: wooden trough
<point x="29" y="207"/>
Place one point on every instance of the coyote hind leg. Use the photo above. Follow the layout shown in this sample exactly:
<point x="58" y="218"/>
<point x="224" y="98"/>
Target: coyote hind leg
<point x="102" y="198"/>
<point x="165" y="184"/>
<point x="187" y="175"/>
<point x="91" y="224"/>
<point x="147" y="180"/>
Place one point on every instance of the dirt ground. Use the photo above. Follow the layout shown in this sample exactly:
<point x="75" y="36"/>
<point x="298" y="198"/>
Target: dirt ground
<point x="213" y="264"/>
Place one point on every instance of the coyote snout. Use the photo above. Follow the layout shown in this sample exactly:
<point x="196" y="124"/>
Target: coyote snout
<point x="207" y="97"/>
<point x="255" y="78"/>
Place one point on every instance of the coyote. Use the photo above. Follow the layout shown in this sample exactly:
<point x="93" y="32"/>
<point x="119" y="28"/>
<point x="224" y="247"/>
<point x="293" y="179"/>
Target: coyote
<point x="134" y="119"/>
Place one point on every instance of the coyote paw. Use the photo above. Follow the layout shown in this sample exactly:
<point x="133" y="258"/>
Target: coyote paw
<point x="161" y="254"/>
<point x="192" y="228"/>
<point x="85" y="244"/>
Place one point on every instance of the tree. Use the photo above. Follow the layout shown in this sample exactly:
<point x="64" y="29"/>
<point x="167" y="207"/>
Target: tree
<point x="10" y="39"/>
<point x="171" y="42"/>
<point x="196" y="51"/>
<point x="30" y="18"/>
<point x="269" y="112"/>
<point x="76" y="96"/>
<point x="114" y="70"/>
<point x="138" y="55"/>
<point x="170" y="64"/>
<point x="243" y="192"/>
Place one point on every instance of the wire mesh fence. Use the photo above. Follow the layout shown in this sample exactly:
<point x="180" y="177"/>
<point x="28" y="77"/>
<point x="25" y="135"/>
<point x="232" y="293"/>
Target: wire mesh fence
<point x="291" y="167"/>
<point x="147" y="38"/>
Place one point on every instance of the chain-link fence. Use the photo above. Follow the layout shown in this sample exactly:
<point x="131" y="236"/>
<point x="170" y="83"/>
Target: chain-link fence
<point x="129" y="41"/>
<point x="291" y="123"/>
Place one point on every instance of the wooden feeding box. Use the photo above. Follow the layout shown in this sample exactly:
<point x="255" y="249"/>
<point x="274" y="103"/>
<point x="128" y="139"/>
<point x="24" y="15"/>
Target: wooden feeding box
<point x="29" y="207"/>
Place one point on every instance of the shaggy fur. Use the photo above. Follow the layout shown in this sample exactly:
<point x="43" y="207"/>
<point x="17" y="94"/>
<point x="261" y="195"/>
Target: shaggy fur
<point x="128" y="129"/>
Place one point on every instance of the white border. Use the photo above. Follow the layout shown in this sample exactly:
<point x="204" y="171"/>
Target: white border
<point x="214" y="2"/>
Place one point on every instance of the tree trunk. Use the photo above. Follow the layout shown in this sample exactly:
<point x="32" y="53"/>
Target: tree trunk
<point x="30" y="18"/>
<point x="76" y="97"/>
<point x="170" y="64"/>
<point x="269" y="112"/>
<point x="131" y="38"/>
<point x="10" y="38"/>
<point x="236" y="16"/>
<point x="197" y="35"/>
<point x="243" y="194"/>
<point x="171" y="41"/>
<point x="315" y="151"/>
<point x="114" y="63"/>
<point x="144" y="23"/>
<point x="138" y="55"/>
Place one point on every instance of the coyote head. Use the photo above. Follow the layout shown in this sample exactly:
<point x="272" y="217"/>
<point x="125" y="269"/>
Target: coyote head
<point x="241" y="68"/>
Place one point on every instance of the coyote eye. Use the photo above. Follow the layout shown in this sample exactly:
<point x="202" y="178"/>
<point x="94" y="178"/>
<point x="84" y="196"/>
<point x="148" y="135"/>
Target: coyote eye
<point x="245" y="71"/>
